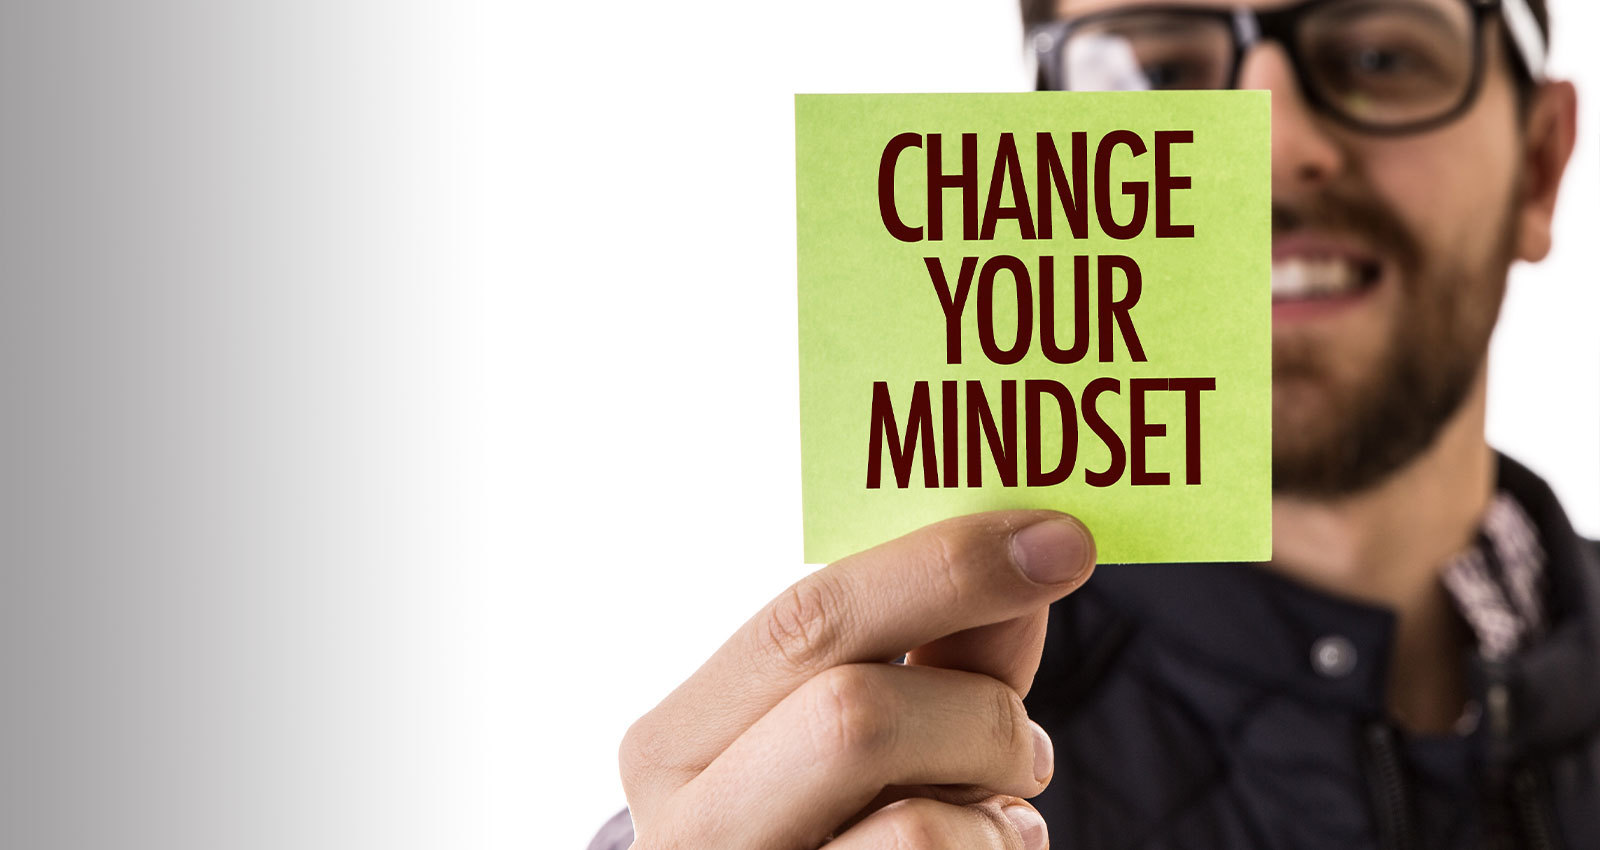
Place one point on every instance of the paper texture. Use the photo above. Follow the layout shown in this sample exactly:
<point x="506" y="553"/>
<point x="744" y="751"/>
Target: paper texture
<point x="964" y="350"/>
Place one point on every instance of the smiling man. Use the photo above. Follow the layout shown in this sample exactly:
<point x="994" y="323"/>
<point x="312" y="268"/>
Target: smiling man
<point x="1418" y="666"/>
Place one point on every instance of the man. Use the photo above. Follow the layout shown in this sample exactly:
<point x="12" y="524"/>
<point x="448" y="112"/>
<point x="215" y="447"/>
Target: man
<point x="1418" y="666"/>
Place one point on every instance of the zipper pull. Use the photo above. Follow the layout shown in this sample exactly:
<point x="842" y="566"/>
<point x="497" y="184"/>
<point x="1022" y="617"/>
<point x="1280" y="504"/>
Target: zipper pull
<point x="1499" y="708"/>
<point x="1391" y="799"/>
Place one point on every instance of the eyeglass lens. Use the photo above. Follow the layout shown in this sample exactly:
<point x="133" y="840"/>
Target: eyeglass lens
<point x="1381" y="62"/>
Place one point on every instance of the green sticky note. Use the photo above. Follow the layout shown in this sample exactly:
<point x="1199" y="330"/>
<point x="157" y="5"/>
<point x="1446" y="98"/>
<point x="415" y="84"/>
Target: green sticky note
<point x="1076" y="316"/>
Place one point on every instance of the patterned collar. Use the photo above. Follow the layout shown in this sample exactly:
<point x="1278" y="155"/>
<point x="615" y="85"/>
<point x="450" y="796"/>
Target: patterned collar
<point x="1498" y="585"/>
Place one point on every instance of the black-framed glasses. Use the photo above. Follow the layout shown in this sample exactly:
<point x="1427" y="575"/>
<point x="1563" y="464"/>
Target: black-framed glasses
<point x="1382" y="66"/>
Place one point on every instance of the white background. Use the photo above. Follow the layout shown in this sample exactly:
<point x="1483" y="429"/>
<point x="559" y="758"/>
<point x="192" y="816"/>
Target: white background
<point x="372" y="452"/>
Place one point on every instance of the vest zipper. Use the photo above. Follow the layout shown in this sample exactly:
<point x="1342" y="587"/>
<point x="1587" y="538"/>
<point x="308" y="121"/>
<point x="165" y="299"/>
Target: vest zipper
<point x="1391" y="802"/>
<point x="1527" y="802"/>
<point x="1520" y="788"/>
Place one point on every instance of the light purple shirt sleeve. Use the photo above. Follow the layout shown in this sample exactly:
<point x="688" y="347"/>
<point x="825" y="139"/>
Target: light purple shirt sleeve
<point x="617" y="834"/>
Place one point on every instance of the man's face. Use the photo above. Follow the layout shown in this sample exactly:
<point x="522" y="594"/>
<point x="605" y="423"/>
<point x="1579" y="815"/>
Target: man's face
<point x="1389" y="263"/>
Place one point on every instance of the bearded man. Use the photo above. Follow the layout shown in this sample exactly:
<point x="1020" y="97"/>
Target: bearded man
<point x="1419" y="664"/>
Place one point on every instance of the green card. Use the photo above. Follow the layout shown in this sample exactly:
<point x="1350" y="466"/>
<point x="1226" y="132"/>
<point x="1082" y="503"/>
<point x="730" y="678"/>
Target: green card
<point x="1043" y="300"/>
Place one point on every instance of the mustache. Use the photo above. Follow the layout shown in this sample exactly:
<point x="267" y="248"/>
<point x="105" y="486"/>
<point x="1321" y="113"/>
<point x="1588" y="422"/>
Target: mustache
<point x="1355" y="214"/>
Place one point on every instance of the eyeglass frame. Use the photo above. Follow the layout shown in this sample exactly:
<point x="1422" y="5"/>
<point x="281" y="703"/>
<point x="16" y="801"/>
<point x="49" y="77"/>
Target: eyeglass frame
<point x="1249" y="28"/>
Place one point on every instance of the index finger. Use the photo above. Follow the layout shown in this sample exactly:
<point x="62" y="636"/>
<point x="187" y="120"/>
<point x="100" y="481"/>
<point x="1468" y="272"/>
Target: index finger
<point x="949" y="577"/>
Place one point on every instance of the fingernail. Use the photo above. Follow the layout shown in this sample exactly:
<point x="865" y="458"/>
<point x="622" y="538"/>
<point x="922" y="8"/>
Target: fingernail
<point x="1044" y="753"/>
<point x="1030" y="825"/>
<point x="1052" y="551"/>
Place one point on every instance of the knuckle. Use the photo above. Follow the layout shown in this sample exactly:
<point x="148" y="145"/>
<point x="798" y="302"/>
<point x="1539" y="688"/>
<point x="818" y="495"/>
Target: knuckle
<point x="947" y="553"/>
<point x="674" y="829"/>
<point x="850" y="716"/>
<point x="951" y="553"/>
<point x="638" y="752"/>
<point x="653" y="842"/>
<point x="910" y="825"/>
<point x="998" y="831"/>
<point x="1010" y="719"/>
<point x="803" y="623"/>
<point x="649" y="751"/>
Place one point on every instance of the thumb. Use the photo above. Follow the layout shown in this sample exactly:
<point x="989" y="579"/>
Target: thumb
<point x="1008" y="650"/>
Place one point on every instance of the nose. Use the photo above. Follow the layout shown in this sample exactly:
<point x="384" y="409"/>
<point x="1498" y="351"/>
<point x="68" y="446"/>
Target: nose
<point x="1304" y="156"/>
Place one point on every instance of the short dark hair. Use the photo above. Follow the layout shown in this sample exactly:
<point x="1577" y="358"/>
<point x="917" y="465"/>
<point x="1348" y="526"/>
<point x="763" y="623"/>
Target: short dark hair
<point x="1035" y="12"/>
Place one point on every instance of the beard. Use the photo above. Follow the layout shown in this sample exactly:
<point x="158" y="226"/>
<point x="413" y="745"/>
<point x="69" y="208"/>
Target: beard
<point x="1367" y="427"/>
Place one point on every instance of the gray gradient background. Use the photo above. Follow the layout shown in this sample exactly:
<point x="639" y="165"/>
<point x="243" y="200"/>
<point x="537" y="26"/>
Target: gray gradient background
<point x="356" y="361"/>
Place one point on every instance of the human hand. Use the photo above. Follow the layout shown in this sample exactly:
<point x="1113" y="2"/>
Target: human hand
<point x="800" y="731"/>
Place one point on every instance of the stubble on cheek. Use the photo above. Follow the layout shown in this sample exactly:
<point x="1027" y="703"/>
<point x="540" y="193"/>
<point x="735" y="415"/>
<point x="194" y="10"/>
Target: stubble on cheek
<point x="1349" y="412"/>
<point x="1318" y="394"/>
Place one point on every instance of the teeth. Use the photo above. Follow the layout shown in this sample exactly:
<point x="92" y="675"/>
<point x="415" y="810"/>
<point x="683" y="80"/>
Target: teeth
<point x="1304" y="277"/>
